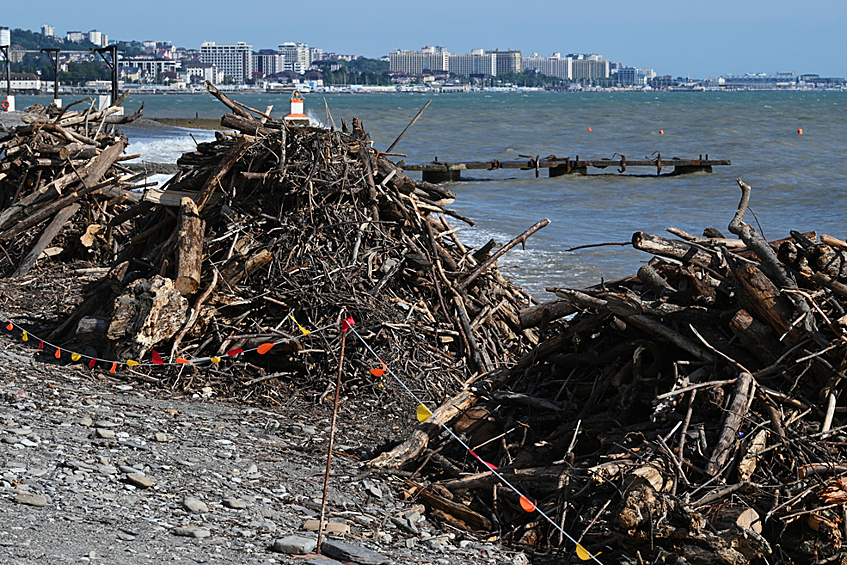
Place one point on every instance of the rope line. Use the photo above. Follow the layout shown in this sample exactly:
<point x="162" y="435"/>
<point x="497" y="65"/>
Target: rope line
<point x="583" y="554"/>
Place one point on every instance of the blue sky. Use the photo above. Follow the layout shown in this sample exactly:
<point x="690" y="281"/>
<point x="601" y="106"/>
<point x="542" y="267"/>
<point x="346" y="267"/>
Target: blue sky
<point x="703" y="38"/>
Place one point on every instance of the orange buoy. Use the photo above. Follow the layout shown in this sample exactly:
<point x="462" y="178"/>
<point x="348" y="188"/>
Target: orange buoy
<point x="661" y="131"/>
<point x="589" y="129"/>
<point x="800" y="132"/>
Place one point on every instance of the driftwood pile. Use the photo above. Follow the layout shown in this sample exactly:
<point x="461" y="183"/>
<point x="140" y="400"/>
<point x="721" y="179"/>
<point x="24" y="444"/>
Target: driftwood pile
<point x="689" y="414"/>
<point x="60" y="175"/>
<point x="271" y="225"/>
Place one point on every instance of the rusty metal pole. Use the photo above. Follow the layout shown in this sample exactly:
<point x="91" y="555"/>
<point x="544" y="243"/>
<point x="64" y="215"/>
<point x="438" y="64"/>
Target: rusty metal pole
<point x="331" y="438"/>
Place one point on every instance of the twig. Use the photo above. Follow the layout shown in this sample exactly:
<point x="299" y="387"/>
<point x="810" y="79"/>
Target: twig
<point x="331" y="438"/>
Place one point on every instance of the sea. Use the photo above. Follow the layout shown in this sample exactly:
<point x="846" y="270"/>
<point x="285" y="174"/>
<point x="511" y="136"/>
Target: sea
<point x="798" y="179"/>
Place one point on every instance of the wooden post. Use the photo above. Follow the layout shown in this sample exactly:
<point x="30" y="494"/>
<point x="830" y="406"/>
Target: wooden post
<point x="189" y="248"/>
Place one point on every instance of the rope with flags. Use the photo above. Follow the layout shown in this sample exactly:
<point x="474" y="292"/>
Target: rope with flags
<point x="155" y="358"/>
<point x="423" y="412"/>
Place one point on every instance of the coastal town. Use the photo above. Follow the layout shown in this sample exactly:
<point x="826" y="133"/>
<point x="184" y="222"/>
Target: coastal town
<point x="84" y="64"/>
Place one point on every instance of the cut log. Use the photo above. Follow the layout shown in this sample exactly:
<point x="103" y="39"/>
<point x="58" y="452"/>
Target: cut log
<point x="189" y="248"/>
<point x="762" y="298"/>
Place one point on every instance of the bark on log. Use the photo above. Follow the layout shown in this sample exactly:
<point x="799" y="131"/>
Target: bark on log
<point x="541" y="314"/>
<point x="743" y="395"/>
<point x="762" y="298"/>
<point x="678" y="250"/>
<point x="189" y="248"/>
<point x="244" y="125"/>
<point x="419" y="439"/>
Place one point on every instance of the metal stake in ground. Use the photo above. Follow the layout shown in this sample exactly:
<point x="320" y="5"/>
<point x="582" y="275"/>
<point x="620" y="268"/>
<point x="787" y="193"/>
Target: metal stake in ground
<point x="331" y="438"/>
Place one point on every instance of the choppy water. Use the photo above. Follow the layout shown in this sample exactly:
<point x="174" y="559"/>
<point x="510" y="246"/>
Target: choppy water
<point x="798" y="180"/>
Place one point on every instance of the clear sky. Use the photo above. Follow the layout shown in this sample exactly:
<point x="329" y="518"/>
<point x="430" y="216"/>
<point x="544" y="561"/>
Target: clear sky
<point x="703" y="38"/>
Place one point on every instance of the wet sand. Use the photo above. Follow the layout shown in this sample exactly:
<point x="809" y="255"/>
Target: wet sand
<point x="192" y="123"/>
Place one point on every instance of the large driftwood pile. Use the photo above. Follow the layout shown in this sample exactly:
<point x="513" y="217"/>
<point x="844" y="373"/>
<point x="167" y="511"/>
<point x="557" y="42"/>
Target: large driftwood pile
<point x="689" y="414"/>
<point x="272" y="223"/>
<point x="60" y="176"/>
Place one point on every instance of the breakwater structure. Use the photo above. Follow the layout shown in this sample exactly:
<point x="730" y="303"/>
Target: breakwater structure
<point x="438" y="171"/>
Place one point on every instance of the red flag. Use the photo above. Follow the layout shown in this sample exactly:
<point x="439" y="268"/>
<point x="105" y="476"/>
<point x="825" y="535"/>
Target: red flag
<point x="41" y="344"/>
<point x="347" y="323"/>
<point x="10" y="327"/>
<point x="114" y="366"/>
<point x="58" y="353"/>
<point x="91" y="363"/>
<point x="234" y="352"/>
<point x="157" y="359"/>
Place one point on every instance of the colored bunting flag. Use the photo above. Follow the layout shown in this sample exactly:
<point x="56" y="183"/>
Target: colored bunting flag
<point x="527" y="504"/>
<point x="347" y="323"/>
<point x="58" y="353"/>
<point x="24" y="336"/>
<point x="41" y="344"/>
<point x="75" y="356"/>
<point x="114" y="367"/>
<point x="92" y="363"/>
<point x="234" y="352"/>
<point x="379" y="372"/>
<point x="302" y="329"/>
<point x="131" y="363"/>
<point x="157" y="359"/>
<point x="264" y="348"/>
<point x="423" y="413"/>
<point x="182" y="361"/>
<point x="215" y="359"/>
<point x="10" y="327"/>
<point x="583" y="554"/>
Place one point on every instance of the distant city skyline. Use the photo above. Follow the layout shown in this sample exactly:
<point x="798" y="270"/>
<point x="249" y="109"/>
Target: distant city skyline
<point x="678" y="39"/>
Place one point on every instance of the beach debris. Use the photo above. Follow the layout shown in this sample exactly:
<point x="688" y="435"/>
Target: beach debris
<point x="689" y="412"/>
<point x="61" y="177"/>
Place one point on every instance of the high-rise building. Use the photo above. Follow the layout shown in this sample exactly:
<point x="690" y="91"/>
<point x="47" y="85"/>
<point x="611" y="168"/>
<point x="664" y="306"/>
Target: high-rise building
<point x="76" y="36"/>
<point x="95" y="37"/>
<point x="234" y="61"/>
<point x="507" y="61"/>
<point x="301" y="53"/>
<point x="474" y="63"/>
<point x="588" y="67"/>
<point x="48" y="31"/>
<point x="268" y="62"/>
<point x="555" y="65"/>
<point x="414" y="62"/>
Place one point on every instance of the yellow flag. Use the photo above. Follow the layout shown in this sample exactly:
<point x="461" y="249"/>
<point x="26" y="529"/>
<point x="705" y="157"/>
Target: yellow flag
<point x="423" y="413"/>
<point x="302" y="329"/>
<point x="25" y="337"/>
<point x="131" y="363"/>
<point x="76" y="356"/>
<point x="215" y="359"/>
<point x="583" y="554"/>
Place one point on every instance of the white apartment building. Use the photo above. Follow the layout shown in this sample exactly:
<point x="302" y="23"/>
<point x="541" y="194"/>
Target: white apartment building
<point x="588" y="67"/>
<point x="206" y="71"/>
<point x="299" y="55"/>
<point x="555" y="65"/>
<point x="474" y="63"/>
<point x="507" y="61"/>
<point x="235" y="61"/>
<point x="414" y="62"/>
<point x="76" y="36"/>
<point x="149" y="68"/>
<point x="48" y="31"/>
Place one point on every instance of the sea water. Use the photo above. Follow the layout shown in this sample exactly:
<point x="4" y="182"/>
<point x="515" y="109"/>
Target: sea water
<point x="798" y="180"/>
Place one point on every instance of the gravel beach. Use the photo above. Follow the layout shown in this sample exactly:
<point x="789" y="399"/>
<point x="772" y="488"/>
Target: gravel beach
<point x="102" y="469"/>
